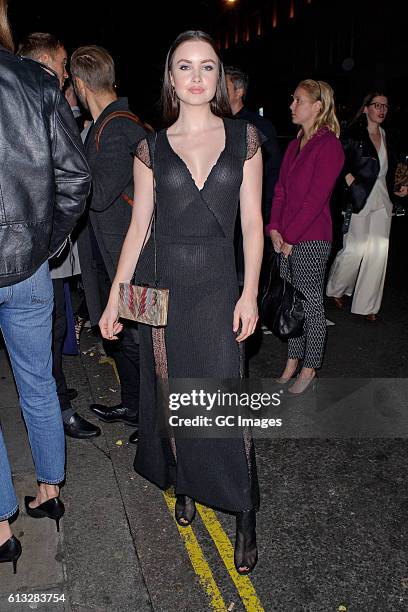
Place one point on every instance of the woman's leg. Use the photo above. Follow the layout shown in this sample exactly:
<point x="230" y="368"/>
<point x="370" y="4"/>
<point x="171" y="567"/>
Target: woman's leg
<point x="309" y="266"/>
<point x="8" y="499"/>
<point x="344" y="271"/>
<point x="296" y="346"/>
<point x="27" y="314"/>
<point x="370" y="282"/>
<point x="5" y="532"/>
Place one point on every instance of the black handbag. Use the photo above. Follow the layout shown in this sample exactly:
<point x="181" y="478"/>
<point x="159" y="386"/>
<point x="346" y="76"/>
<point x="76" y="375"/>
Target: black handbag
<point x="281" y="306"/>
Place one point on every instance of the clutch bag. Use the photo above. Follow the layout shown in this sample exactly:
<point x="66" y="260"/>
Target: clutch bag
<point x="147" y="304"/>
<point x="143" y="304"/>
<point x="401" y="176"/>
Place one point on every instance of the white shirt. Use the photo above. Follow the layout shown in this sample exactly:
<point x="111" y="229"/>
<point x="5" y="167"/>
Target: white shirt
<point x="379" y="198"/>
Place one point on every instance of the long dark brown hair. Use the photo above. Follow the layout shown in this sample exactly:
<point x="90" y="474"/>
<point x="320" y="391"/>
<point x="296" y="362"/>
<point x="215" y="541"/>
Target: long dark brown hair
<point x="6" y="38"/>
<point x="169" y="101"/>
<point x="359" y="116"/>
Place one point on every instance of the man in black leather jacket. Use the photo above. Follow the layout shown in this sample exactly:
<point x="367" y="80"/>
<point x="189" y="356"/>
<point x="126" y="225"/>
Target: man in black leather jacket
<point x="49" y="51"/>
<point x="44" y="175"/>
<point x="44" y="181"/>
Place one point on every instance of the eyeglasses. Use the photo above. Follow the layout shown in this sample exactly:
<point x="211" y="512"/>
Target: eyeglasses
<point x="379" y="106"/>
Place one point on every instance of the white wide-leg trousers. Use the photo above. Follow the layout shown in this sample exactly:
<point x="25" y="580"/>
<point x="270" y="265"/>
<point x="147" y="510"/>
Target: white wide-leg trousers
<point x="361" y="264"/>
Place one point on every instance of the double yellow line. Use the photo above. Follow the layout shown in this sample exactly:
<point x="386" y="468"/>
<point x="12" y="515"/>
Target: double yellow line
<point x="243" y="584"/>
<point x="223" y="544"/>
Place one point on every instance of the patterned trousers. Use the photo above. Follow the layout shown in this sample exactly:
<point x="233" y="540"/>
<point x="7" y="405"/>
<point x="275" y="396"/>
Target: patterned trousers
<point x="307" y="273"/>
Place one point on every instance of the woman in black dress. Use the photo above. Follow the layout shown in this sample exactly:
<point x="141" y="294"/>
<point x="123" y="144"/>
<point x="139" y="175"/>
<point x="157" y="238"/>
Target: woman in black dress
<point x="204" y="165"/>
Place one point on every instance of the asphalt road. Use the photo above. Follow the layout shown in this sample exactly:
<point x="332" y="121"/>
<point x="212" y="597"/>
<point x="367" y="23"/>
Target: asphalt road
<point x="332" y="528"/>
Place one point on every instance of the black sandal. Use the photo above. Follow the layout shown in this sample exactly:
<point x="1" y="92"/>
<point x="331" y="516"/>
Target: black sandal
<point x="185" y="510"/>
<point x="246" y="551"/>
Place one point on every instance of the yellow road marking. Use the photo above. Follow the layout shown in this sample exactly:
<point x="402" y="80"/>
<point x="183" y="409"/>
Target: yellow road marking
<point x="198" y="560"/>
<point x="221" y="540"/>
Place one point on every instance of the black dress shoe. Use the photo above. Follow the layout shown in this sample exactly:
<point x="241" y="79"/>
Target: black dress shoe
<point x="77" y="427"/>
<point x="134" y="437"/>
<point x="72" y="394"/>
<point x="53" y="509"/>
<point x="114" y="414"/>
<point x="11" y="551"/>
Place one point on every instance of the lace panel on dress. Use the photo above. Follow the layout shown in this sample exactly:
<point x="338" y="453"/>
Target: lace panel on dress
<point x="253" y="140"/>
<point x="143" y="153"/>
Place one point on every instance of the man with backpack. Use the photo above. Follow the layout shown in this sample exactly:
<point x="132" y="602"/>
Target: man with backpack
<point x="109" y="147"/>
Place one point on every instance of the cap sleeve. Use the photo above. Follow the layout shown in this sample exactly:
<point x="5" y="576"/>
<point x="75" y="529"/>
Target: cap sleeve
<point x="254" y="139"/>
<point x="142" y="152"/>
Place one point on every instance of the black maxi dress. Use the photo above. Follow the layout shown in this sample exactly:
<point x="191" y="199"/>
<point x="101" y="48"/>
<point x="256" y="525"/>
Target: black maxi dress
<point x="195" y="261"/>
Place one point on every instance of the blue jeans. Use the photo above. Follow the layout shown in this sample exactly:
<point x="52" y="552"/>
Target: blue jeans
<point x="25" y="321"/>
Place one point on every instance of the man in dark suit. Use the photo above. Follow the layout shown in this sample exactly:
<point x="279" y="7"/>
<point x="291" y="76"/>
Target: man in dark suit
<point x="237" y="86"/>
<point x="44" y="179"/>
<point x="109" y="147"/>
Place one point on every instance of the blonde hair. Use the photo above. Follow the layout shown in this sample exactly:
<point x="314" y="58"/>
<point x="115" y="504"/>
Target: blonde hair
<point x="320" y="91"/>
<point x="95" y="66"/>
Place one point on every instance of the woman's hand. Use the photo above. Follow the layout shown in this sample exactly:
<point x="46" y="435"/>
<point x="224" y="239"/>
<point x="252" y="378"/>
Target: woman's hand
<point x="246" y="312"/>
<point x="286" y="249"/>
<point x="403" y="191"/>
<point x="349" y="179"/>
<point x="109" y="323"/>
<point x="277" y="240"/>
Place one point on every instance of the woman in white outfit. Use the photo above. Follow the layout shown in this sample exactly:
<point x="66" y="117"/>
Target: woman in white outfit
<point x="369" y="173"/>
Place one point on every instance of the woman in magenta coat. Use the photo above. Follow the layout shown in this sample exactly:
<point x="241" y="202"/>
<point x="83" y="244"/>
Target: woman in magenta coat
<point x="300" y="223"/>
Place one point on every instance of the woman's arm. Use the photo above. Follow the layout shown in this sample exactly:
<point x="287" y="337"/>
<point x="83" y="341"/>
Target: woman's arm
<point x="349" y="178"/>
<point x="141" y="215"/>
<point x="246" y="310"/>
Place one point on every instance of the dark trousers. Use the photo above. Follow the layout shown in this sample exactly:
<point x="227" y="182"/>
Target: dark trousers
<point x="59" y="330"/>
<point x="125" y="351"/>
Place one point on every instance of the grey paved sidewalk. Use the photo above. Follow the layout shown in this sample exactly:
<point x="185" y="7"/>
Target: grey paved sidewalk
<point x="93" y="563"/>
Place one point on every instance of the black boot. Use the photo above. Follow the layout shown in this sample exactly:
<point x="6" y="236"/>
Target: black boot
<point x="246" y="552"/>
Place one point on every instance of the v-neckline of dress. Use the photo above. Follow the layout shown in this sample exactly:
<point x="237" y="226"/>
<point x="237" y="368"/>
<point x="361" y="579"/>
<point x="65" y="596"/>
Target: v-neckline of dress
<point x="200" y="189"/>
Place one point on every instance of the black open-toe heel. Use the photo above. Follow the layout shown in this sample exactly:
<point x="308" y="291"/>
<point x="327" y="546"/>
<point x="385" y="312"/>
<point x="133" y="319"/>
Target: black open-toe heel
<point x="185" y="510"/>
<point x="10" y="551"/>
<point x="52" y="508"/>
<point x="246" y="551"/>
